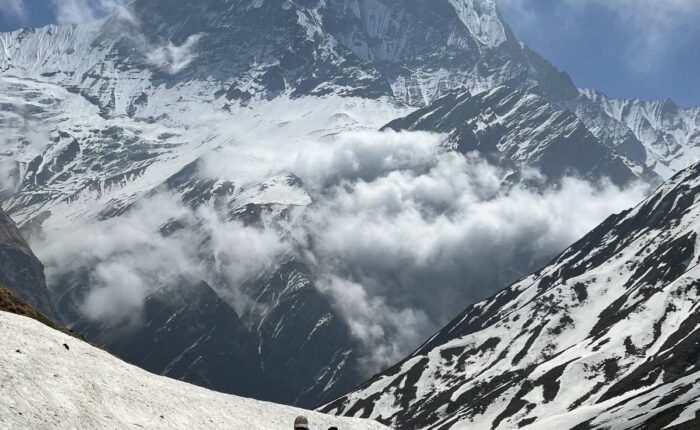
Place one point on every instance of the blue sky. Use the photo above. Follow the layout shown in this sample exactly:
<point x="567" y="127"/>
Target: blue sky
<point x="627" y="48"/>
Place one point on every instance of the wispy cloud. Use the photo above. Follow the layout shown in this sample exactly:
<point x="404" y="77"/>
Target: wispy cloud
<point x="656" y="26"/>
<point x="14" y="9"/>
<point x="167" y="56"/>
<point x="173" y="58"/>
<point x="81" y="11"/>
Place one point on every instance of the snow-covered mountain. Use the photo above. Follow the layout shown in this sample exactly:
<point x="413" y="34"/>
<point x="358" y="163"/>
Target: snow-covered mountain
<point x="50" y="380"/>
<point x="670" y="133"/>
<point x="526" y="130"/>
<point x="412" y="49"/>
<point x="605" y="336"/>
<point x="165" y="143"/>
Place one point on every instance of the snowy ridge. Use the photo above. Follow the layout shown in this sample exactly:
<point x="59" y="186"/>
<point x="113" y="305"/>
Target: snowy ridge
<point x="50" y="380"/>
<point x="671" y="134"/>
<point x="607" y="334"/>
<point x="526" y="130"/>
<point x="51" y="49"/>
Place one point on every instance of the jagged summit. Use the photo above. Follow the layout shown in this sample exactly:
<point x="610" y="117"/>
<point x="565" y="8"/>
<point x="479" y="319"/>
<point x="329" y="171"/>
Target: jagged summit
<point x="414" y="50"/>
<point x="670" y="133"/>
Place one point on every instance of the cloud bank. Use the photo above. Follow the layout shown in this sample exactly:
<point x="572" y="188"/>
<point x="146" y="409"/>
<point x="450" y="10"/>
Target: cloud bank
<point x="402" y="251"/>
<point x="405" y="234"/>
<point x="401" y="235"/>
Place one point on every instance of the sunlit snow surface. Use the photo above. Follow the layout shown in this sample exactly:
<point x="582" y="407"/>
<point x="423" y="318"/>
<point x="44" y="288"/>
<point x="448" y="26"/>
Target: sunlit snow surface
<point x="44" y="385"/>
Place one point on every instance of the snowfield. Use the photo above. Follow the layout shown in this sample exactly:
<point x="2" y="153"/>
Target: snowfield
<point x="44" y="385"/>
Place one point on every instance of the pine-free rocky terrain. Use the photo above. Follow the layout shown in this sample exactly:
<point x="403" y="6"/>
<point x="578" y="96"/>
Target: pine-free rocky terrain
<point x="133" y="146"/>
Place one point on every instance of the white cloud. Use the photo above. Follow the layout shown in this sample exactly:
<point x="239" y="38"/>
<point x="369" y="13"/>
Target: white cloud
<point x="127" y="258"/>
<point x="351" y="156"/>
<point x="387" y="333"/>
<point x="173" y="58"/>
<point x="401" y="236"/>
<point x="404" y="234"/>
<point x="240" y="252"/>
<point x="74" y="11"/>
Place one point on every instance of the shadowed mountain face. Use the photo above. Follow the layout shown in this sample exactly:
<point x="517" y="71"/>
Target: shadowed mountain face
<point x="102" y="117"/>
<point x="192" y="336"/>
<point x="523" y="129"/>
<point x="20" y="271"/>
<point x="606" y="333"/>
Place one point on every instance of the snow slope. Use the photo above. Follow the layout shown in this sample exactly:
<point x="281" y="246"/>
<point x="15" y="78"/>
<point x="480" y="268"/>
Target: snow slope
<point x="606" y="336"/>
<point x="46" y="385"/>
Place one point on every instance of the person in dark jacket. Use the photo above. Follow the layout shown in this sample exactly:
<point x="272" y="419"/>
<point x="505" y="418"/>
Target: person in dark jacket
<point x="301" y="423"/>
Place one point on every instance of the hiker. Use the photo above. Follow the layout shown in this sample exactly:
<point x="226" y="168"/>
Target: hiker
<point x="301" y="423"/>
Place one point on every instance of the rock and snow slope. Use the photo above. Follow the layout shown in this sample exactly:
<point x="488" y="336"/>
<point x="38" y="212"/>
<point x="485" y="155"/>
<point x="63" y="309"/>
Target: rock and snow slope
<point x="524" y="129"/>
<point x="49" y="380"/>
<point x="606" y="336"/>
<point x="670" y="133"/>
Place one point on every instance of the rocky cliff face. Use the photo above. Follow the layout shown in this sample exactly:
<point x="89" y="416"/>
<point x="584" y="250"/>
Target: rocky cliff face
<point x="20" y="270"/>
